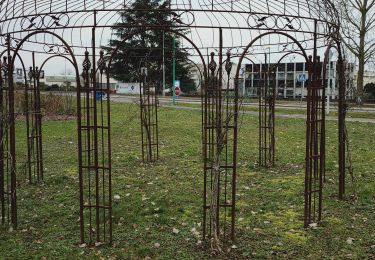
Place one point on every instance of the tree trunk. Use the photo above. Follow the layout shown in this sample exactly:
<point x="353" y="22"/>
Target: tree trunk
<point x="361" y="56"/>
<point x="360" y="75"/>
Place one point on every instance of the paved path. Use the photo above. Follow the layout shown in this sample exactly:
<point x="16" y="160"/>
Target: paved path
<point x="287" y="105"/>
<point x="290" y="116"/>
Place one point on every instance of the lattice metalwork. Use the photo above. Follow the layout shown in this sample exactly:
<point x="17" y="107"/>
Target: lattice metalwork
<point x="315" y="143"/>
<point x="220" y="154"/>
<point x="34" y="125"/>
<point x="266" y="97"/>
<point x="8" y="196"/>
<point x="68" y="28"/>
<point x="95" y="153"/>
<point x="148" y="101"/>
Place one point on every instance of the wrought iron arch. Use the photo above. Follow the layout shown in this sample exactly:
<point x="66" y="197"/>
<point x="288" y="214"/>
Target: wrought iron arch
<point x="343" y="146"/>
<point x="54" y="56"/>
<point x="8" y="179"/>
<point x="314" y="166"/>
<point x="25" y="18"/>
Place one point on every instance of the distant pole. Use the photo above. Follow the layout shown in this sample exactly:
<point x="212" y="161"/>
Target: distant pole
<point x="163" y="63"/>
<point x="328" y="85"/>
<point x="330" y="78"/>
<point x="174" y="68"/>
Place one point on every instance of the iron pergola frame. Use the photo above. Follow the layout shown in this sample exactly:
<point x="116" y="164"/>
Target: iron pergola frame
<point x="42" y="31"/>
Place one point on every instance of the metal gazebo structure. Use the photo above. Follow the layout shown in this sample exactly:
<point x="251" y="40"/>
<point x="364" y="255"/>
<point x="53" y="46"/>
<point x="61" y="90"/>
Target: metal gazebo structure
<point x="220" y="35"/>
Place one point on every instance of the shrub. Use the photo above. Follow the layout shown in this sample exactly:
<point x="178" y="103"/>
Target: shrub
<point x="370" y="91"/>
<point x="53" y="87"/>
<point x="52" y="104"/>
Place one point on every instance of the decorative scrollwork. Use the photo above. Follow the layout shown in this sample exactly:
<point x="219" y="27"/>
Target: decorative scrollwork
<point x="257" y="21"/>
<point x="55" y="49"/>
<point x="274" y="22"/>
<point x="45" y="21"/>
<point x="2" y="39"/>
<point x="292" y="47"/>
<point x="31" y="73"/>
<point x="32" y="22"/>
<point x="212" y="66"/>
<point x="101" y="63"/>
<point x="228" y="64"/>
<point x="86" y="65"/>
<point x="56" y="20"/>
<point x="13" y="42"/>
<point x="289" y="23"/>
<point x="184" y="18"/>
<point x="4" y="66"/>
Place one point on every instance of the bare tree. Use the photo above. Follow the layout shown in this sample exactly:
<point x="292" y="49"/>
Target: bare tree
<point x="357" y="26"/>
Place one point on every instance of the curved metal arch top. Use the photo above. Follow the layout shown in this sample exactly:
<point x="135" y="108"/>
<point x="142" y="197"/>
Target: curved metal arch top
<point x="303" y="52"/>
<point x="73" y="20"/>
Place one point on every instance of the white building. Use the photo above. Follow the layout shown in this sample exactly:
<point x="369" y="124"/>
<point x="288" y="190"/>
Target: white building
<point x="290" y="79"/>
<point x="128" y="88"/>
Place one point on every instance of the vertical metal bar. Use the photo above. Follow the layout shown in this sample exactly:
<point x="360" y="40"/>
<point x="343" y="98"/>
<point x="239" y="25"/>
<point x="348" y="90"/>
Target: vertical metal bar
<point x="86" y="150"/>
<point x="322" y="141"/>
<point x="33" y="125"/>
<point x="234" y="160"/>
<point x="219" y="125"/>
<point x="28" y="139"/>
<point x="27" y="113"/>
<point x="157" y="125"/>
<point x="273" y="116"/>
<point x="95" y="130"/>
<point x="149" y="118"/>
<point x="315" y="140"/>
<point x="2" y="117"/>
<point x="341" y="123"/>
<point x="12" y="136"/>
<point x="39" y="126"/>
<point x="149" y="127"/>
<point x="307" y="152"/>
<point x="260" y="112"/>
<point x="205" y="139"/>
<point x="34" y="133"/>
<point x="141" y="86"/>
<point x="80" y="159"/>
<point x="109" y="158"/>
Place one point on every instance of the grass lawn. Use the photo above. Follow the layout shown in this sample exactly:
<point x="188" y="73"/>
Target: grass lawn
<point x="155" y="198"/>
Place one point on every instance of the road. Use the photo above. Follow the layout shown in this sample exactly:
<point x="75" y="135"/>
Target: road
<point x="166" y="102"/>
<point x="297" y="105"/>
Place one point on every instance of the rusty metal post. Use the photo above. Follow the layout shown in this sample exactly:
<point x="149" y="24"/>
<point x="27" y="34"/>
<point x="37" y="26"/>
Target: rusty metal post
<point x="149" y="119"/>
<point x="34" y="125"/>
<point x="3" y="97"/>
<point x="10" y="138"/>
<point x="315" y="141"/>
<point x="95" y="152"/>
<point x="220" y="151"/>
<point x="342" y="125"/>
<point x="266" y="95"/>
<point x="102" y="67"/>
<point x="8" y="181"/>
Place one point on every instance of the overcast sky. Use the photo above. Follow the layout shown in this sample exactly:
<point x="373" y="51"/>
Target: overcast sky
<point x="207" y="39"/>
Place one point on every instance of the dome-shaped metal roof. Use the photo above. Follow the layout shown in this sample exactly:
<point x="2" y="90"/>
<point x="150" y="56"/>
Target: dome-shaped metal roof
<point x="242" y="19"/>
<point x="312" y="9"/>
